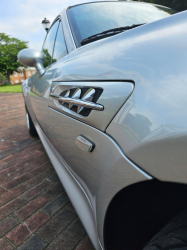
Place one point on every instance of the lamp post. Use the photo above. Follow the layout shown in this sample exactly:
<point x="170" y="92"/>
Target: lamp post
<point x="46" y="24"/>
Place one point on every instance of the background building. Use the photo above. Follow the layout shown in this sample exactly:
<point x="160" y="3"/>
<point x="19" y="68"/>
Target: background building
<point x="22" y="74"/>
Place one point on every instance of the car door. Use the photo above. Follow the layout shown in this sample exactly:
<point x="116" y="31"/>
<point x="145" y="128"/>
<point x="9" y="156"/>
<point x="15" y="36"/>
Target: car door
<point x="40" y="86"/>
<point x="77" y="132"/>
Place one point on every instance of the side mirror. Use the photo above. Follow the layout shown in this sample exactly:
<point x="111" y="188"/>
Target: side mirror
<point x="32" y="58"/>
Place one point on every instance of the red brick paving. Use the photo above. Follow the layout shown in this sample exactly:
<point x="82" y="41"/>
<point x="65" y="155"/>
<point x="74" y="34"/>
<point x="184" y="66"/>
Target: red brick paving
<point x="11" y="207"/>
<point x="86" y="245"/>
<point x="2" y="190"/>
<point x="13" y="193"/>
<point x="13" y="183"/>
<point x="7" y="224"/>
<point x="34" y="208"/>
<point x="5" y="245"/>
<point x="19" y="234"/>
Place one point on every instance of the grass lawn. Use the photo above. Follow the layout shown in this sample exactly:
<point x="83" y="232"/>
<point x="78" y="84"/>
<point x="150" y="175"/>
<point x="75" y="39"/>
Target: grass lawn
<point x="11" y="89"/>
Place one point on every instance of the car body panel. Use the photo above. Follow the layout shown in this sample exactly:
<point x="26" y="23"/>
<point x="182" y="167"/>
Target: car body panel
<point x="151" y="128"/>
<point x="39" y="95"/>
<point x="116" y="92"/>
<point x="143" y="56"/>
<point x="73" y="188"/>
<point x="101" y="176"/>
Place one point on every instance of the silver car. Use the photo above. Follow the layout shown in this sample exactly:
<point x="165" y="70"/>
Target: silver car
<point x="109" y="103"/>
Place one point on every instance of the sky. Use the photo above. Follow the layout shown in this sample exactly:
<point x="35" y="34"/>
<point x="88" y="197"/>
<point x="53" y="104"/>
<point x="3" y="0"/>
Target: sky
<point x="22" y="19"/>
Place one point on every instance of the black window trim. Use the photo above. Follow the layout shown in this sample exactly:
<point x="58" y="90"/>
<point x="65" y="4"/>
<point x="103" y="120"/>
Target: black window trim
<point x="74" y="35"/>
<point x="58" y="18"/>
<point x="60" y="24"/>
<point x="55" y="41"/>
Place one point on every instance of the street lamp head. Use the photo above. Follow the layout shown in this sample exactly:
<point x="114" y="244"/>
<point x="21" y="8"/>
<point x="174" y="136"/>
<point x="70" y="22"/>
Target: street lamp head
<point x="46" y="24"/>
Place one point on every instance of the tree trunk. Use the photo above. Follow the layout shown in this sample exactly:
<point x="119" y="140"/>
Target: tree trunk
<point x="24" y="74"/>
<point x="8" y="77"/>
<point x="9" y="81"/>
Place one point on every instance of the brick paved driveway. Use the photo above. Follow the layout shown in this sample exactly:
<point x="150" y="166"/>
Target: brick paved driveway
<point x="35" y="212"/>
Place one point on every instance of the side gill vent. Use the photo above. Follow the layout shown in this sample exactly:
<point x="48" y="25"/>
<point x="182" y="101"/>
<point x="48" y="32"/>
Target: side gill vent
<point x="83" y="94"/>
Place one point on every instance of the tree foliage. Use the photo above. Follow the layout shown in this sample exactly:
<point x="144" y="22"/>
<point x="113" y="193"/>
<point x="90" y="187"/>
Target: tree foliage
<point x="179" y="5"/>
<point x="9" y="48"/>
<point x="47" y="57"/>
<point x="2" y="78"/>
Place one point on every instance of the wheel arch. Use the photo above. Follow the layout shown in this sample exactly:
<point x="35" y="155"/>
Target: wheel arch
<point x="139" y="211"/>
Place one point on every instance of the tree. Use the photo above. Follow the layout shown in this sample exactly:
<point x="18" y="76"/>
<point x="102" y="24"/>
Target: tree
<point x="179" y="5"/>
<point x="2" y="78"/>
<point x="47" y="58"/>
<point x="9" y="48"/>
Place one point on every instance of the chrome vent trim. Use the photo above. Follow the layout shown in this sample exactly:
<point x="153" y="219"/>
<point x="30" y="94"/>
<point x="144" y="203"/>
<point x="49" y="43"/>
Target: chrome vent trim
<point x="66" y="95"/>
<point x="87" y="97"/>
<point x="76" y="95"/>
<point x="77" y="100"/>
<point x="110" y="94"/>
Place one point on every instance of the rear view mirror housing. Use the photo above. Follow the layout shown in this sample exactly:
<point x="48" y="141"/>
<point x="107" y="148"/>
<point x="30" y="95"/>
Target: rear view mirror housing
<point x="32" y="58"/>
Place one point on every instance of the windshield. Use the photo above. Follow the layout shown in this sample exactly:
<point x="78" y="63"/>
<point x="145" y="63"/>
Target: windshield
<point x="93" y="18"/>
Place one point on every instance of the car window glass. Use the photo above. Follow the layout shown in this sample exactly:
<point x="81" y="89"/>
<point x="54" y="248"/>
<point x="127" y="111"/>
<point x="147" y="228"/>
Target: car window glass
<point x="60" y="45"/>
<point x="90" y="19"/>
<point x="49" y="44"/>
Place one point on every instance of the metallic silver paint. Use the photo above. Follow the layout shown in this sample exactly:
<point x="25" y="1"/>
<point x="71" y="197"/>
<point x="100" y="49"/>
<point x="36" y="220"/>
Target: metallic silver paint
<point x="91" y="213"/>
<point x="153" y="57"/>
<point x="28" y="123"/>
<point x="148" y="56"/>
<point x="32" y="58"/>
<point x="103" y="172"/>
<point x="151" y="128"/>
<point x="113" y="92"/>
<point x="26" y="94"/>
<point x="39" y="96"/>
<point x="73" y="188"/>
